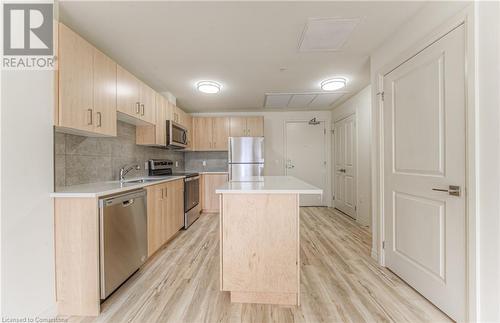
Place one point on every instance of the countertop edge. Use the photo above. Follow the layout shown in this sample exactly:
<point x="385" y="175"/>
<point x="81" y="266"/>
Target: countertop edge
<point x="111" y="191"/>
<point x="264" y="191"/>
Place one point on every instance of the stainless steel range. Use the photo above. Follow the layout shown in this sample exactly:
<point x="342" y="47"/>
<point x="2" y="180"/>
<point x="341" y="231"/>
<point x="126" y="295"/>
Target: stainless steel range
<point x="192" y="206"/>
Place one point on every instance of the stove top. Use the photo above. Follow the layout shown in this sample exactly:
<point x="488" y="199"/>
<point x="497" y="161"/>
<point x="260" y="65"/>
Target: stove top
<point x="163" y="167"/>
<point x="187" y="174"/>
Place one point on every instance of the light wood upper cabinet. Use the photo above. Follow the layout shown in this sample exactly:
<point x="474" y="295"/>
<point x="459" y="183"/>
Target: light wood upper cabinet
<point x="209" y="183"/>
<point x="220" y="133"/>
<point x="237" y="126"/>
<point x="210" y="134"/>
<point x="154" y="135"/>
<point x="87" y="86"/>
<point x="246" y="126"/>
<point x="188" y="123"/>
<point x="255" y="126"/>
<point x="75" y="81"/>
<point x="134" y="97"/>
<point x="147" y="101"/>
<point x="202" y="133"/>
<point x="128" y="88"/>
<point x="104" y="94"/>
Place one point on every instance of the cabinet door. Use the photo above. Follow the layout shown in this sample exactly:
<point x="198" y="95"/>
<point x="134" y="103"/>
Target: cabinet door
<point x="147" y="101"/>
<point x="188" y="123"/>
<point x="127" y="99"/>
<point x="104" y="94"/>
<point x="220" y="133"/>
<point x="155" y="211"/>
<point x="237" y="126"/>
<point x="179" y="204"/>
<point x="255" y="126"/>
<point x="202" y="133"/>
<point x="161" y="119"/>
<point x="75" y="81"/>
<point x="210" y="183"/>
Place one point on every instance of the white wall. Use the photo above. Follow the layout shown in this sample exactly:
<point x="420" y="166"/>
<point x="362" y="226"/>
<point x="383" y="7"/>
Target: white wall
<point x="274" y="123"/>
<point x="26" y="180"/>
<point x="361" y="105"/>
<point x="487" y="46"/>
<point x="482" y="25"/>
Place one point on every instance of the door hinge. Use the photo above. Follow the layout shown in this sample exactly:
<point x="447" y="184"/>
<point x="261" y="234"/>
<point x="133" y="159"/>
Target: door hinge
<point x="355" y="208"/>
<point x="381" y="95"/>
<point x="383" y="244"/>
<point x="333" y="197"/>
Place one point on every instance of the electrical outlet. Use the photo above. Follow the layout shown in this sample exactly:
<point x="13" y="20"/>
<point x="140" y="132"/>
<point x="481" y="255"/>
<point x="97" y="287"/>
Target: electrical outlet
<point x="204" y="163"/>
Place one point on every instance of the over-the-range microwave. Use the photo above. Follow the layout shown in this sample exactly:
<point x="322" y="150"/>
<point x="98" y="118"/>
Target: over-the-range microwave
<point x="176" y="135"/>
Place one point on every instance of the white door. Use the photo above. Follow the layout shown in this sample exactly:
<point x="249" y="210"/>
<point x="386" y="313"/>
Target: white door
<point x="345" y="165"/>
<point x="306" y="157"/>
<point x="424" y="152"/>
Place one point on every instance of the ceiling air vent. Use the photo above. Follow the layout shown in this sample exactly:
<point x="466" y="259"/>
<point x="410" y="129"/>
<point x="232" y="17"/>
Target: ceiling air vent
<point x="326" y="34"/>
<point x="301" y="100"/>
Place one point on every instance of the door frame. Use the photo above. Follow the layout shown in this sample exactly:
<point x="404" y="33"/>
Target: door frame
<point x="327" y="201"/>
<point x="464" y="18"/>
<point x="334" y="121"/>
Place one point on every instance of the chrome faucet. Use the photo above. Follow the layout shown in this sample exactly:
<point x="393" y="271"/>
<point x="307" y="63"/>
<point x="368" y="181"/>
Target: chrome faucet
<point x="125" y="170"/>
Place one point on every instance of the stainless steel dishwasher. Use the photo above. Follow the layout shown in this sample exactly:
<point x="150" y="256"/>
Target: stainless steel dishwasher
<point x="123" y="238"/>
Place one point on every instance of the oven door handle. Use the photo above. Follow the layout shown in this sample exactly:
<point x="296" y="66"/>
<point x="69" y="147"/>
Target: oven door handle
<point x="189" y="179"/>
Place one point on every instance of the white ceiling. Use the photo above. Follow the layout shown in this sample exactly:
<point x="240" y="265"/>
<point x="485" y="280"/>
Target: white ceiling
<point x="252" y="48"/>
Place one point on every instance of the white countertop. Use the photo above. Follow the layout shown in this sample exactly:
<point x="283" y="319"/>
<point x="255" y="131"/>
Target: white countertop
<point x="270" y="185"/>
<point x="212" y="172"/>
<point x="108" y="188"/>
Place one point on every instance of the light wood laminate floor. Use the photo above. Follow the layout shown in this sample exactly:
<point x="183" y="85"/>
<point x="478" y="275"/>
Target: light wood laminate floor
<point x="340" y="282"/>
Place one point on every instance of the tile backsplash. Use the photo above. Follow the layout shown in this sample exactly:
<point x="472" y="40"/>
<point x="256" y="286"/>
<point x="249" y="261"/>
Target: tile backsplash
<point x="80" y="160"/>
<point x="215" y="161"/>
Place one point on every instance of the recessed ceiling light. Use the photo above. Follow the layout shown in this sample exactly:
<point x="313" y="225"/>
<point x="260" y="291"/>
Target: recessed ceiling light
<point x="333" y="84"/>
<point x="209" y="87"/>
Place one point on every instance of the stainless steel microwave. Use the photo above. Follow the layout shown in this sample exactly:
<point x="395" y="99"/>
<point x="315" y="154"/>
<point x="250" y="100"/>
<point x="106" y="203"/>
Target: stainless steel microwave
<point x="176" y="135"/>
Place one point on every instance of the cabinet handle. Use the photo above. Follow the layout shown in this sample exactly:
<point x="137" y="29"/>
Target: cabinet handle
<point x="142" y="109"/>
<point x="99" y="119"/>
<point x="137" y="107"/>
<point x="90" y="116"/>
<point x="166" y="192"/>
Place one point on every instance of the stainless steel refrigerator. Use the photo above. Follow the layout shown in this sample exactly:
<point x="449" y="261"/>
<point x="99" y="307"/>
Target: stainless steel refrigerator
<point x="246" y="158"/>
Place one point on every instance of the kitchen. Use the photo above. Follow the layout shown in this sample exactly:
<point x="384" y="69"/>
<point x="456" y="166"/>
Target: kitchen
<point x="232" y="161"/>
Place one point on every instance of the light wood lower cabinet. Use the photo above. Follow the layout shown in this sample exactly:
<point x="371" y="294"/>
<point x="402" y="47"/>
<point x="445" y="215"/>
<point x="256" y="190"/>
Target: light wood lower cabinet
<point x="209" y="199"/>
<point x="165" y="213"/>
<point x="76" y="239"/>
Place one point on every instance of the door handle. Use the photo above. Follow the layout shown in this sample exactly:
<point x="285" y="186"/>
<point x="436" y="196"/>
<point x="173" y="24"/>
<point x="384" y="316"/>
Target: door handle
<point x="99" y="119"/>
<point x="452" y="190"/>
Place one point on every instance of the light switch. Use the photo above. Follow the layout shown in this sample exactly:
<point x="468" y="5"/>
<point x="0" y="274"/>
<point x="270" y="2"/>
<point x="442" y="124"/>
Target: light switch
<point x="176" y="163"/>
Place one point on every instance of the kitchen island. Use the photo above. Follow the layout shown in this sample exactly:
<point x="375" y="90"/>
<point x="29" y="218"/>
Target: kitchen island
<point x="260" y="239"/>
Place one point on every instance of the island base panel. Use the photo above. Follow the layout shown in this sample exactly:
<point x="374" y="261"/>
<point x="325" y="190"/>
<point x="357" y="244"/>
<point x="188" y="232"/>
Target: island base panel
<point x="264" y="298"/>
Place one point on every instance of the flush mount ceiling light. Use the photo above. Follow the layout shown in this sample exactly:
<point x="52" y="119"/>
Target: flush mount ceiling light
<point x="209" y="87"/>
<point x="333" y="84"/>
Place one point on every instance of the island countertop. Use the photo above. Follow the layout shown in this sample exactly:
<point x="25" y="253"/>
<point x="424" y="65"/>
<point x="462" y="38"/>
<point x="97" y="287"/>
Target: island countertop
<point x="269" y="185"/>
